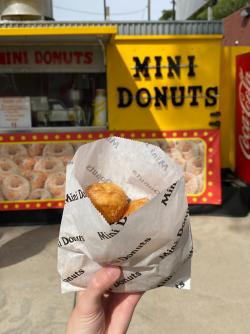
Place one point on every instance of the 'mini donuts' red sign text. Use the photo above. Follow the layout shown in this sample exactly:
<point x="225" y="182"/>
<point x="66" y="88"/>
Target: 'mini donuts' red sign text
<point x="46" y="57"/>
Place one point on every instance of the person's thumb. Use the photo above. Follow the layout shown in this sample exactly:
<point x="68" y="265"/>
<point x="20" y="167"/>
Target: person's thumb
<point x="90" y="300"/>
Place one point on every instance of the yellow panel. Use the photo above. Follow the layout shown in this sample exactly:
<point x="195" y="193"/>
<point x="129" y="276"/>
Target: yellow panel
<point x="120" y="63"/>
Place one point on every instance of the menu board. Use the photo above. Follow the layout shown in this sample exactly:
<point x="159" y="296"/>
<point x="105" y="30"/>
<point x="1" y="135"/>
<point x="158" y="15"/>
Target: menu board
<point x="33" y="166"/>
<point x="15" y="112"/>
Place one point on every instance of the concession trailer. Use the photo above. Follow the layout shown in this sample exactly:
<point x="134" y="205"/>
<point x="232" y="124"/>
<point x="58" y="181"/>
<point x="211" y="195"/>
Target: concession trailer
<point x="64" y="84"/>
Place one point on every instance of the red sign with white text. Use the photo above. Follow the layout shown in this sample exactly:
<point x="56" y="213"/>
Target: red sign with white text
<point x="243" y="117"/>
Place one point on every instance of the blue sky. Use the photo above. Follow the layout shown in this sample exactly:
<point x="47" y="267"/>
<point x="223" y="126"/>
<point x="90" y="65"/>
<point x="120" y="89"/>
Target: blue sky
<point x="92" y="10"/>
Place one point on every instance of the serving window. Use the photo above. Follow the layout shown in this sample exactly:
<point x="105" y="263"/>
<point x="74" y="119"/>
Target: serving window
<point x="58" y="84"/>
<point x="56" y="99"/>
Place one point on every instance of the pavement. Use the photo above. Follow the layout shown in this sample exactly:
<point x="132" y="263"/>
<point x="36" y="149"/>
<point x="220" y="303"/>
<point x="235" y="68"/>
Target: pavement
<point x="218" y="302"/>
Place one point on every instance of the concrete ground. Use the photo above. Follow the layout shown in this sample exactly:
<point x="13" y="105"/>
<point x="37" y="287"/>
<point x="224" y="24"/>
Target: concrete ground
<point x="219" y="302"/>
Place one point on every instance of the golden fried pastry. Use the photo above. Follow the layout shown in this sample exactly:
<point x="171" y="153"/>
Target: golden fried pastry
<point x="135" y="205"/>
<point x="109" y="199"/>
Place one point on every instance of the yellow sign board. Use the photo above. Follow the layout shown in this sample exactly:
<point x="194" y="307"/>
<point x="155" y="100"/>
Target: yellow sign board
<point x="162" y="82"/>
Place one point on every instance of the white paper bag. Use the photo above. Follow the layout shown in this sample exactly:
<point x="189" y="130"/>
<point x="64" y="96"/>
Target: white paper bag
<point x="152" y="245"/>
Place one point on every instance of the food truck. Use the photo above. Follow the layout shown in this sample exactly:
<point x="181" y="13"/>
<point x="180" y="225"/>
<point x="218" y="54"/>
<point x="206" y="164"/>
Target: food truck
<point x="64" y="84"/>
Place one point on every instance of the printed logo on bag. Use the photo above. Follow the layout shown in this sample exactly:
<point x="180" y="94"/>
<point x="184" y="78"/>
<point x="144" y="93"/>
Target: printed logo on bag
<point x="97" y="174"/>
<point x="168" y="194"/>
<point x="190" y="254"/>
<point x="71" y="197"/>
<point x="139" y="247"/>
<point x="74" y="276"/>
<point x="105" y="235"/>
<point x="127" y="279"/>
<point x="64" y="241"/>
<point x="169" y="251"/>
<point x="145" y="183"/>
<point x="113" y="141"/>
<point x="179" y="234"/>
<point x="162" y="283"/>
<point x="159" y="159"/>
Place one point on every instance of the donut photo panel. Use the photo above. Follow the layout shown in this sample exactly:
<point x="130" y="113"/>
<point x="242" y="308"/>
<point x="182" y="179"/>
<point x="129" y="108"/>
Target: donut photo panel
<point x="198" y="153"/>
<point x="33" y="166"/>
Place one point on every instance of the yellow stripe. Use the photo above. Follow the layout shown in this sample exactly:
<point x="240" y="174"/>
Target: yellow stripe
<point x="167" y="37"/>
<point x="48" y="31"/>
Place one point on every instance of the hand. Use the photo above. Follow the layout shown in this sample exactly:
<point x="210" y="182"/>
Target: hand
<point x="98" y="312"/>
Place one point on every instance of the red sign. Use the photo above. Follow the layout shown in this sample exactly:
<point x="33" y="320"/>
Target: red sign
<point x="243" y="117"/>
<point x="46" y="57"/>
<point x="51" y="58"/>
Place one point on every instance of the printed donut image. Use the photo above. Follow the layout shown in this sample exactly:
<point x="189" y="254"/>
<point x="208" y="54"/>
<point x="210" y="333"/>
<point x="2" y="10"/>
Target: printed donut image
<point x="25" y="163"/>
<point x="40" y="194"/>
<point x="190" y="155"/>
<point x="135" y="205"/>
<point x="167" y="145"/>
<point x="188" y="149"/>
<point x="191" y="184"/>
<point x="1" y="196"/>
<point x="195" y="166"/>
<point x="13" y="150"/>
<point x="34" y="163"/>
<point x="58" y="150"/>
<point x="200" y="180"/>
<point x="109" y="199"/>
<point x="15" y="187"/>
<point x="49" y="165"/>
<point x="178" y="157"/>
<point x="35" y="150"/>
<point x="7" y="167"/>
<point x="65" y="159"/>
<point x="77" y="145"/>
<point x="36" y="179"/>
<point x="155" y="143"/>
<point x="201" y="147"/>
<point x="55" y="184"/>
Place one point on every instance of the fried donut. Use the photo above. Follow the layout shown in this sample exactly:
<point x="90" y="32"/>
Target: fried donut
<point x="55" y="184"/>
<point x="135" y="205"/>
<point x="7" y="167"/>
<point x="58" y="149"/>
<point x="109" y="199"/>
<point x="13" y="150"/>
<point x="40" y="194"/>
<point x="35" y="150"/>
<point x="15" y="187"/>
<point x="49" y="165"/>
